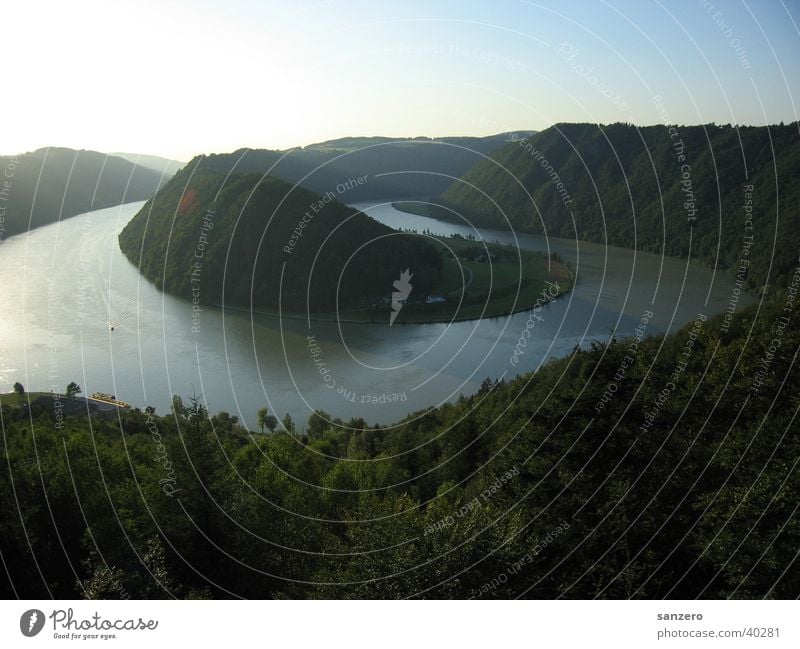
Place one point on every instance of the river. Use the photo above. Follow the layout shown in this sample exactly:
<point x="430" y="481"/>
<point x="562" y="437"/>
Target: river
<point x="62" y="282"/>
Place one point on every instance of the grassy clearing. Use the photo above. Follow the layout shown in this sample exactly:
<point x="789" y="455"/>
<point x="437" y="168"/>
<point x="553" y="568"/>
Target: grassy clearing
<point x="475" y="285"/>
<point x="14" y="400"/>
<point x="424" y="209"/>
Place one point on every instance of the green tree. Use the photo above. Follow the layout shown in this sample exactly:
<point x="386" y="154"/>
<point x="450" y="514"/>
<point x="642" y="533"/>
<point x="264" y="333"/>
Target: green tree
<point x="318" y="423"/>
<point x="262" y="415"/>
<point x="196" y="411"/>
<point x="18" y="388"/>
<point x="288" y="423"/>
<point x="178" y="408"/>
<point x="73" y="389"/>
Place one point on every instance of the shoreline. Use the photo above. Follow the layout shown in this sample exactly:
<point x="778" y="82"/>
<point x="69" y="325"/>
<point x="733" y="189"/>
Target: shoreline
<point x="332" y="319"/>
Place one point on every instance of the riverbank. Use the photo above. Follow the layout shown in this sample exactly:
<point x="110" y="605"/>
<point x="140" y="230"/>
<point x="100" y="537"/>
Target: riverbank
<point x="61" y="405"/>
<point x="156" y="354"/>
<point x="423" y="208"/>
<point x="479" y="280"/>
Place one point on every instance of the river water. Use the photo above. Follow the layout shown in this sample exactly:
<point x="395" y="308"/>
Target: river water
<point x="63" y="282"/>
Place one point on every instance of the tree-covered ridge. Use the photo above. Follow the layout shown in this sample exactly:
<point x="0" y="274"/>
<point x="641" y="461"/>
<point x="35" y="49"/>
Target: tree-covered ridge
<point x="245" y="239"/>
<point x="47" y="185"/>
<point x="682" y="483"/>
<point x="398" y="167"/>
<point x="649" y="188"/>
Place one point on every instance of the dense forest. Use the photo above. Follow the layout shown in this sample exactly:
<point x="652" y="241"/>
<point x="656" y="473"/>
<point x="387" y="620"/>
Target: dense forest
<point x="718" y="189"/>
<point x="248" y="240"/>
<point x="51" y="184"/>
<point x="680" y="481"/>
<point x="396" y="167"/>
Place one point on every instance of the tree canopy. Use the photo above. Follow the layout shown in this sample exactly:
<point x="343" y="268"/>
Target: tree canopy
<point x="537" y="487"/>
<point x="248" y="240"/>
<point x="706" y="192"/>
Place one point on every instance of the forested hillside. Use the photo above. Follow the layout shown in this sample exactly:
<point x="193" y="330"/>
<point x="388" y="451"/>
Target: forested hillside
<point x="683" y="484"/>
<point x="244" y="239"/>
<point x="396" y="167"/>
<point x="717" y="189"/>
<point x="51" y="184"/>
<point x="156" y="163"/>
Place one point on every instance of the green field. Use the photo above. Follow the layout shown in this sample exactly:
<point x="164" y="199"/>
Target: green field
<point x="14" y="400"/>
<point x="424" y="209"/>
<point x="511" y="282"/>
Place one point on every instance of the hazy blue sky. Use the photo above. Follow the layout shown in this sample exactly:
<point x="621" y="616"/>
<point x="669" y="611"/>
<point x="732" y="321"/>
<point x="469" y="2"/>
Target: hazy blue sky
<point x="176" y="78"/>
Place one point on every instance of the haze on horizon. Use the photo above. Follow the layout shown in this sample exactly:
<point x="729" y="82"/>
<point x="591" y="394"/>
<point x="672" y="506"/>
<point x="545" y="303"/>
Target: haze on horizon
<point x="179" y="78"/>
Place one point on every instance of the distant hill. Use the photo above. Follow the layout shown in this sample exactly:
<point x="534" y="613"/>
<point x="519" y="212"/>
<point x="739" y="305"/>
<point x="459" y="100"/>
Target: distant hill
<point x="161" y="165"/>
<point x="395" y="167"/>
<point x="214" y="237"/>
<point x="649" y="188"/>
<point x="50" y="184"/>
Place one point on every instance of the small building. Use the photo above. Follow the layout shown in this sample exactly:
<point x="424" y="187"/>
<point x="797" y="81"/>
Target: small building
<point x="107" y="399"/>
<point x="435" y="299"/>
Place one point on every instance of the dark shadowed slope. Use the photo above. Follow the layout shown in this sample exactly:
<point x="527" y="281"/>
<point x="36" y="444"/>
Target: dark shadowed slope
<point x="244" y="239"/>
<point x="50" y="184"/>
<point x="720" y="189"/>
<point x="394" y="167"/>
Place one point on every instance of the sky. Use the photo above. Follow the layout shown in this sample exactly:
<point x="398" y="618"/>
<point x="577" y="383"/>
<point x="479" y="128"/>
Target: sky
<point x="177" y="78"/>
